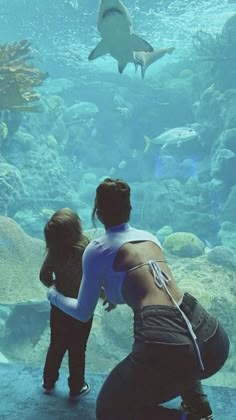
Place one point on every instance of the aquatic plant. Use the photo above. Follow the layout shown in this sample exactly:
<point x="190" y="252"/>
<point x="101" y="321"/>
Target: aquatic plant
<point x="18" y="78"/>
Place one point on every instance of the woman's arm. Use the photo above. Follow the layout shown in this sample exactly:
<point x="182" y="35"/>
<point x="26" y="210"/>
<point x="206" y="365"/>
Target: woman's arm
<point x="83" y="307"/>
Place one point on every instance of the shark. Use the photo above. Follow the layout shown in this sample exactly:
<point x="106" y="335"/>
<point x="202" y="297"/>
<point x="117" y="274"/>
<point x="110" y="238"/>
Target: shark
<point x="118" y="39"/>
<point x="145" y="59"/>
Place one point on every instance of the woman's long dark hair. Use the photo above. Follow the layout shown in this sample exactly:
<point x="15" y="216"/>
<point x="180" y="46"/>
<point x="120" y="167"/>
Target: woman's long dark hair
<point x="63" y="232"/>
<point x="112" y="202"/>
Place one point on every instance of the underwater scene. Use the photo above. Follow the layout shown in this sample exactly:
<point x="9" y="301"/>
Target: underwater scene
<point x="162" y="117"/>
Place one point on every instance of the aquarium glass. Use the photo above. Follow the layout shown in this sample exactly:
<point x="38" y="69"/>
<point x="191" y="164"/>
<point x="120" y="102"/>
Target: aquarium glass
<point x="165" y="122"/>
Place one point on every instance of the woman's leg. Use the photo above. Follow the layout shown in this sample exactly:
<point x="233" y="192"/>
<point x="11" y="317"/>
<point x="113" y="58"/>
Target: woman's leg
<point x="133" y="391"/>
<point x="195" y="401"/>
<point x="214" y="347"/>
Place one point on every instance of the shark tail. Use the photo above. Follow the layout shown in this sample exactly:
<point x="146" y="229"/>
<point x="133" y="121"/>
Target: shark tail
<point x="148" y="142"/>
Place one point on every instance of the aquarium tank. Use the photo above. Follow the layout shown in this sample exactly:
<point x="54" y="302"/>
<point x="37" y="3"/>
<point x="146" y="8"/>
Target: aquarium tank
<point x="163" y="120"/>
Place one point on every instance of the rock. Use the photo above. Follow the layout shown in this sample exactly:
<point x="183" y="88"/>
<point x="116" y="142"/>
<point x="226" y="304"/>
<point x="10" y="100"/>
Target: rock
<point x="223" y="163"/>
<point x="228" y="139"/>
<point x="222" y="255"/>
<point x="227" y="235"/>
<point x="184" y="244"/>
<point x="162" y="233"/>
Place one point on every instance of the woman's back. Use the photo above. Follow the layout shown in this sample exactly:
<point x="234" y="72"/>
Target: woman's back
<point x="139" y="288"/>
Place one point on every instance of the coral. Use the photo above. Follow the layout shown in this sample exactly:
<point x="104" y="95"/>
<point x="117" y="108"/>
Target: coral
<point x="20" y="261"/>
<point x="229" y="208"/>
<point x="184" y="244"/>
<point x="222" y="255"/>
<point x="228" y="139"/>
<point x="219" y="52"/>
<point x="11" y="186"/>
<point x="18" y="78"/>
<point x="227" y="235"/>
<point x="3" y="131"/>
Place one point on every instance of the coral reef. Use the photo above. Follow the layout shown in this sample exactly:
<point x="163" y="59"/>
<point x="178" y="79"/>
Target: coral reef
<point x="184" y="244"/>
<point x="11" y="186"/>
<point x="229" y="208"/>
<point x="18" y="78"/>
<point x="20" y="261"/>
<point x="227" y="235"/>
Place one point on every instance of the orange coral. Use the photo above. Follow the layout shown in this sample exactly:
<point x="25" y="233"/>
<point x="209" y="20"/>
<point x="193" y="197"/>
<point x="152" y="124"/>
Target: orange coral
<point x="18" y="78"/>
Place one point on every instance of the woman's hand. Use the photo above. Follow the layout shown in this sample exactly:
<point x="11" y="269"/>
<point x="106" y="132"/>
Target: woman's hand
<point x="110" y="306"/>
<point x="52" y="294"/>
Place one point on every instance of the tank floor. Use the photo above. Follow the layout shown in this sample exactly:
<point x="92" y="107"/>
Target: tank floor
<point x="22" y="397"/>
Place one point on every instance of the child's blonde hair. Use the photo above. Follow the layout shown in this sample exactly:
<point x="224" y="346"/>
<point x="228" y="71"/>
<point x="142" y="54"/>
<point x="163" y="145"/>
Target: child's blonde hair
<point x="63" y="231"/>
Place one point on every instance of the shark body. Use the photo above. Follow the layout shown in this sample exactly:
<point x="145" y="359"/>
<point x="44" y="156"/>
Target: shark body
<point x="118" y="39"/>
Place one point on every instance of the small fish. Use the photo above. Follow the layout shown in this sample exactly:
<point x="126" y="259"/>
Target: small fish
<point x="122" y="164"/>
<point x="177" y="136"/>
<point x="94" y="132"/>
<point x="123" y="111"/>
<point x="134" y="153"/>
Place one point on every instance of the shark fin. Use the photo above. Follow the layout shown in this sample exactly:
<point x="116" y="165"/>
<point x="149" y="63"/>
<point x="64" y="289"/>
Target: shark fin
<point x="170" y="50"/>
<point x="99" y="50"/>
<point x="164" y="146"/>
<point x="139" y="44"/>
<point x="121" y="67"/>
<point x="148" y="142"/>
<point x="139" y="59"/>
<point x="143" y="69"/>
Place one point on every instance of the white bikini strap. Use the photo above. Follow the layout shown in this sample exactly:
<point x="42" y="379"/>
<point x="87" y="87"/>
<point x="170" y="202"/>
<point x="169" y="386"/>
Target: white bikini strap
<point x="161" y="280"/>
<point x="141" y="265"/>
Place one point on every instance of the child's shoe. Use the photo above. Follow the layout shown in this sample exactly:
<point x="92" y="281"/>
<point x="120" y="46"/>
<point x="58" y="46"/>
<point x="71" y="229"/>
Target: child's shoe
<point x="83" y="391"/>
<point x="48" y="389"/>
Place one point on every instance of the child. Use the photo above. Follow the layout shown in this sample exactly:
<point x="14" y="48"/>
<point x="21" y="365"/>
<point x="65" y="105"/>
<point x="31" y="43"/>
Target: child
<point x="62" y="267"/>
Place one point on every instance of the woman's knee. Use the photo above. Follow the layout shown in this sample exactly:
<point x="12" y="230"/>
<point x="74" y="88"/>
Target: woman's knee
<point x="103" y="410"/>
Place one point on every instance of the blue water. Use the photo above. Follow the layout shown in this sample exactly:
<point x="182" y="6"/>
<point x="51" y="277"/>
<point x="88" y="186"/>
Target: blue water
<point x="57" y="157"/>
